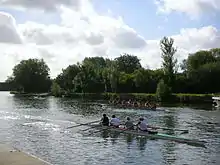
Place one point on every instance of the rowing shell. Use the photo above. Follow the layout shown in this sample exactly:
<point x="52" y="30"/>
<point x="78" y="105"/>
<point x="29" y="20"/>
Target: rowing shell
<point x="138" y="108"/>
<point x="157" y="136"/>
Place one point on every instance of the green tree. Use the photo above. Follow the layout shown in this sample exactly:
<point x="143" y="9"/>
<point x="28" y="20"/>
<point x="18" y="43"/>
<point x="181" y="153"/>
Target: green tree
<point x="126" y="82"/>
<point x="127" y="63"/>
<point x="216" y="53"/>
<point x="32" y="75"/>
<point x="66" y="78"/>
<point x="55" y="89"/>
<point x="169" y="63"/>
<point x="163" y="92"/>
<point x="113" y="76"/>
<point x="106" y="77"/>
<point x="196" y="60"/>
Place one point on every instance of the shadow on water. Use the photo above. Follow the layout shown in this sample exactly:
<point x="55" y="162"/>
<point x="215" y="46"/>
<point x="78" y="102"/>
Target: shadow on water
<point x="168" y="152"/>
<point x="30" y="102"/>
<point x="113" y="136"/>
<point x="79" y="107"/>
<point x="141" y="142"/>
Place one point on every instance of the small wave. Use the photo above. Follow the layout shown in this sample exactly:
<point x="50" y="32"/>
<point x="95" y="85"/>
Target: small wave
<point x="9" y="117"/>
<point x="6" y="112"/>
<point x="44" y="125"/>
<point x="46" y="119"/>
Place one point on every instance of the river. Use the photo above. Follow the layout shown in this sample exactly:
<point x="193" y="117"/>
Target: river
<point x="38" y="126"/>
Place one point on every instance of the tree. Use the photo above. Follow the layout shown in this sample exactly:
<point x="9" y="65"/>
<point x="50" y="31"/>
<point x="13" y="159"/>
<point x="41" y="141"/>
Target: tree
<point x="163" y="91"/>
<point x="127" y="63"/>
<point x="143" y="80"/>
<point x="216" y="53"/>
<point x="66" y="78"/>
<point x="32" y="75"/>
<point x="196" y="60"/>
<point x="96" y="62"/>
<point x="55" y="89"/>
<point x="106" y="77"/>
<point x="114" y="76"/>
<point x="169" y="64"/>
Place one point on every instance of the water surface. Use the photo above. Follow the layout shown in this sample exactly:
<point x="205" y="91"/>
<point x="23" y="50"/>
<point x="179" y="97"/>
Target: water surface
<point x="38" y="126"/>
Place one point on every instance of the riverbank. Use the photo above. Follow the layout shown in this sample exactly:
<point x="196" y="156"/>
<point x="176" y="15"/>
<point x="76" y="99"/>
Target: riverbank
<point x="175" y="98"/>
<point x="11" y="156"/>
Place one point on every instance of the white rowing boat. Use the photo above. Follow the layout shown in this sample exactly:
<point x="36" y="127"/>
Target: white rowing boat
<point x="138" y="108"/>
<point x="156" y="136"/>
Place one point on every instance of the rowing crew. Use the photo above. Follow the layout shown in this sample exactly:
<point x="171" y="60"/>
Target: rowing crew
<point x="134" y="103"/>
<point x="129" y="125"/>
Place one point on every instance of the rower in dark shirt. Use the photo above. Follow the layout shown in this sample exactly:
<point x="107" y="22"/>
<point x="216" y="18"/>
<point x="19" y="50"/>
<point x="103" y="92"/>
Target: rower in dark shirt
<point x="105" y="120"/>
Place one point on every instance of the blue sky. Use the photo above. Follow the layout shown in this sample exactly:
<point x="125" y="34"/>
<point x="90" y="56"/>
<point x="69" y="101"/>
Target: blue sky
<point x="141" y="15"/>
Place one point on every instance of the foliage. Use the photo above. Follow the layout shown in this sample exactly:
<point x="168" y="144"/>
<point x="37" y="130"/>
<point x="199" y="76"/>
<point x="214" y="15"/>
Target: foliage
<point x="169" y="62"/>
<point x="55" y="89"/>
<point x="32" y="76"/>
<point x="163" y="91"/>
<point x="127" y="63"/>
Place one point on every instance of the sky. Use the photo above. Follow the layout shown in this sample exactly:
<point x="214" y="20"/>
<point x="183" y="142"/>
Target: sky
<point x="64" y="32"/>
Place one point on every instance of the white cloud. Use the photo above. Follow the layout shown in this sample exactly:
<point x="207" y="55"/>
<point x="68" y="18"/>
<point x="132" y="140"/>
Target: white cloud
<point x="47" y="5"/>
<point x="85" y="33"/>
<point x="193" y="8"/>
<point x="8" y="29"/>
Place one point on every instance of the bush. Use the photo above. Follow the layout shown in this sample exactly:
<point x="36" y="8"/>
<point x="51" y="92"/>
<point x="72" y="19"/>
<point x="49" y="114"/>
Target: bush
<point x="163" y="92"/>
<point x="56" y="90"/>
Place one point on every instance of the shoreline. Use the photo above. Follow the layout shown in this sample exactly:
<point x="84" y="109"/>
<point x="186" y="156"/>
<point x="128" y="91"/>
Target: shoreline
<point x="175" y="98"/>
<point x="10" y="156"/>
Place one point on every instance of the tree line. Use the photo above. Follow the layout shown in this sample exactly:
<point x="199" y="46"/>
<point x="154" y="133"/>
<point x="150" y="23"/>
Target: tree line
<point x="200" y="73"/>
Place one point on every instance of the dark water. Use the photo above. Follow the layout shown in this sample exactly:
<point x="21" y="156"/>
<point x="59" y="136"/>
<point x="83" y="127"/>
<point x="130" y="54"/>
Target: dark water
<point x="38" y="126"/>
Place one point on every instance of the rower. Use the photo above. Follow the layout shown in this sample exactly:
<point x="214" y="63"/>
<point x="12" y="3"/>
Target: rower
<point x="128" y="102"/>
<point x="115" y="122"/>
<point x="105" y="120"/>
<point x="142" y="125"/>
<point x="154" y="106"/>
<point x="147" y="104"/>
<point x="129" y="124"/>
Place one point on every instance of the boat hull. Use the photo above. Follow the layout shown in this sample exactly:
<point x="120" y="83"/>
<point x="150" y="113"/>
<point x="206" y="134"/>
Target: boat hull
<point x="156" y="136"/>
<point x="139" y="108"/>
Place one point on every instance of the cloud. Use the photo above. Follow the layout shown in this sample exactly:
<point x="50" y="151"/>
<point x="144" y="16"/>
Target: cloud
<point x="193" y="8"/>
<point x="46" y="5"/>
<point x="84" y="33"/>
<point x="8" y="29"/>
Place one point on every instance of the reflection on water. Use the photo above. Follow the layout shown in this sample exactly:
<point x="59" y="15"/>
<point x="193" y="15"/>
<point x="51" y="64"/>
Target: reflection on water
<point x="38" y="126"/>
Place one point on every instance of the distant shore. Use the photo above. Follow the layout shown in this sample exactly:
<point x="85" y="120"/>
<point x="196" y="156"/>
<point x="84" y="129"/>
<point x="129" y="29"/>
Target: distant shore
<point x="175" y="98"/>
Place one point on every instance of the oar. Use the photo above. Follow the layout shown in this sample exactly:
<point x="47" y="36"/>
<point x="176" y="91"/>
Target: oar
<point x="82" y="124"/>
<point x="109" y="127"/>
<point x="172" y="129"/>
<point x="91" y="127"/>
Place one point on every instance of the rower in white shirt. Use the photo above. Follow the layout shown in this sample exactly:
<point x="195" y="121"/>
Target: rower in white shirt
<point x="115" y="122"/>
<point x="142" y="125"/>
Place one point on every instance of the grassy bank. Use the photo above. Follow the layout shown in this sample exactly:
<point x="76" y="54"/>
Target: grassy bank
<point x="176" y="98"/>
